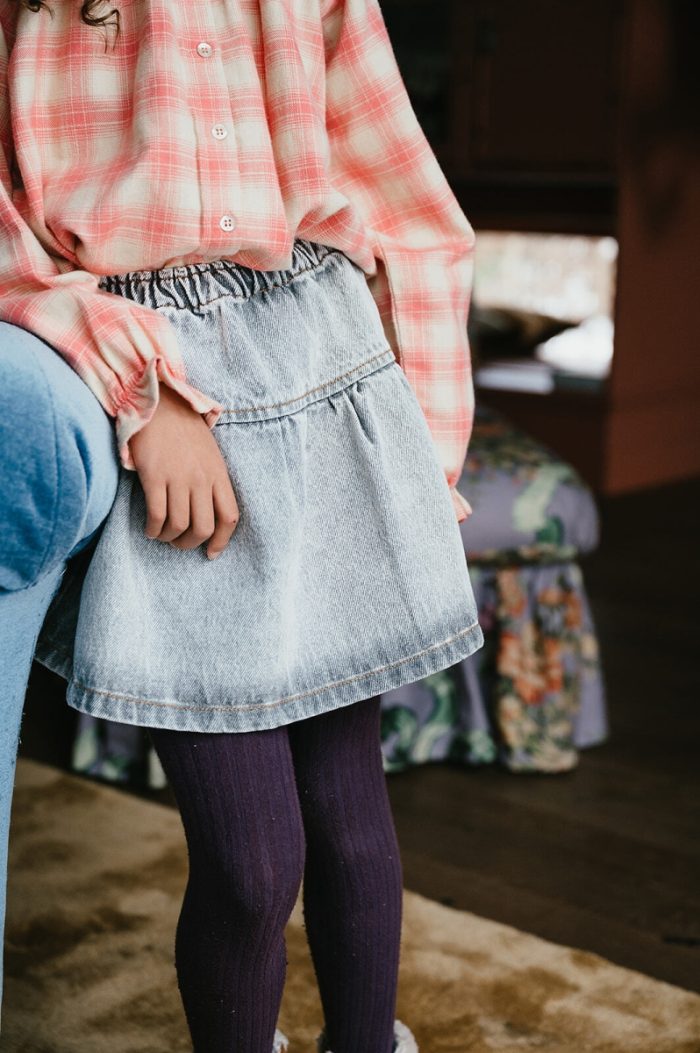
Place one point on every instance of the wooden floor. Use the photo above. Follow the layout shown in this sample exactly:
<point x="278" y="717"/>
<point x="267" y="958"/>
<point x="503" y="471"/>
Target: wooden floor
<point x="606" y="857"/>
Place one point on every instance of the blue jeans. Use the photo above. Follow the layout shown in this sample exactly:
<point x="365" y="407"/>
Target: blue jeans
<point x="58" y="478"/>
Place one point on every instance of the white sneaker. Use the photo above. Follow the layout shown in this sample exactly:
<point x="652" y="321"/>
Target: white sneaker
<point x="404" y="1040"/>
<point x="280" y="1043"/>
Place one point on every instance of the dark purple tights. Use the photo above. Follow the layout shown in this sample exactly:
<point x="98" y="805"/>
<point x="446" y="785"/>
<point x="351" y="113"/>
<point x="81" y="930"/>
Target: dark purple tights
<point x="261" y="810"/>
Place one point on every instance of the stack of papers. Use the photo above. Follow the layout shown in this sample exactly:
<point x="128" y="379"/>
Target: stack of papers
<point x="580" y="356"/>
<point x="516" y="374"/>
<point x="585" y="349"/>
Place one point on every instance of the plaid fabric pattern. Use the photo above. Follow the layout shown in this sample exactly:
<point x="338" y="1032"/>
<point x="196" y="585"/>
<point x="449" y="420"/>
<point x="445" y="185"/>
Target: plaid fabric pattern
<point x="211" y="130"/>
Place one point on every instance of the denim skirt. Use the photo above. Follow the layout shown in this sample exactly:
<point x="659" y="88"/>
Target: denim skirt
<point x="346" y="575"/>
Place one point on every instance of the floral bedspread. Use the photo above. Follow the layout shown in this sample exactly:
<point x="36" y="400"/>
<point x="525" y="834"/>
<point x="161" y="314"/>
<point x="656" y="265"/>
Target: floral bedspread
<point x="529" y="699"/>
<point x="528" y="505"/>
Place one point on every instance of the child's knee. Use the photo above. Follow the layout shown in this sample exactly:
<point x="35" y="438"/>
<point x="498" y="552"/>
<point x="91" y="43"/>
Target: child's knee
<point x="257" y="889"/>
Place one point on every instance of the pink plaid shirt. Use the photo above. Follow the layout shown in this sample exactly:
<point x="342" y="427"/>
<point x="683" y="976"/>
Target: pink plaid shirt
<point x="213" y="130"/>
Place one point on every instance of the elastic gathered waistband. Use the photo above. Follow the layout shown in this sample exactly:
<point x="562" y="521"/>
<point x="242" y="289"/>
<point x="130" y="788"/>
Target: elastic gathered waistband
<point x="196" y="284"/>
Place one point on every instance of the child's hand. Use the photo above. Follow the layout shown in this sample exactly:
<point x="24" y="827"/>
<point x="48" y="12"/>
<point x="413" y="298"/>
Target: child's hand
<point x="189" y="496"/>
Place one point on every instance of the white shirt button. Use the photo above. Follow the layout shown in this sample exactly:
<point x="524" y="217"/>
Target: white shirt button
<point x="219" y="131"/>
<point x="227" y="222"/>
<point x="204" y="49"/>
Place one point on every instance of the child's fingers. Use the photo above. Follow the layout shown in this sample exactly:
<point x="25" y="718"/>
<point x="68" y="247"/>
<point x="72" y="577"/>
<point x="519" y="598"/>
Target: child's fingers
<point x="226" y="513"/>
<point x="178" y="518"/>
<point x="156" y="507"/>
<point x="202" y="522"/>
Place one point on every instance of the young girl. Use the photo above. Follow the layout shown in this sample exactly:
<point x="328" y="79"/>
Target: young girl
<point x="227" y="219"/>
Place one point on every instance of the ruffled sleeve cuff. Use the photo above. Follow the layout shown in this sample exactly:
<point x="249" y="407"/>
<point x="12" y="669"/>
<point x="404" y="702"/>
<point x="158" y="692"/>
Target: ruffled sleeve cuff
<point x="461" y="505"/>
<point x="136" y="403"/>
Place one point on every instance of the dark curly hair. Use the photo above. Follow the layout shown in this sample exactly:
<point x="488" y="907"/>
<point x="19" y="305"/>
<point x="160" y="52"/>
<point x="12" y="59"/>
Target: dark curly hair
<point x="87" y="13"/>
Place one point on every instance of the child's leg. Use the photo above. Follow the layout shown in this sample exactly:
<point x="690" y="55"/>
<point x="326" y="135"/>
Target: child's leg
<point x="21" y="615"/>
<point x="58" y="478"/>
<point x="238" y="801"/>
<point x="353" y="881"/>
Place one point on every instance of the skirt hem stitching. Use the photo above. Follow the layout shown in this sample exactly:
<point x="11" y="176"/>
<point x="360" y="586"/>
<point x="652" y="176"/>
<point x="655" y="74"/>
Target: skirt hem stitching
<point x="385" y="678"/>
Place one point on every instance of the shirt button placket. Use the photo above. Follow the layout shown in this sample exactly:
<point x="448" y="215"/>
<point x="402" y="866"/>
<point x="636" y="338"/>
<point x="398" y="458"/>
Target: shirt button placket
<point x="227" y="222"/>
<point x="219" y="131"/>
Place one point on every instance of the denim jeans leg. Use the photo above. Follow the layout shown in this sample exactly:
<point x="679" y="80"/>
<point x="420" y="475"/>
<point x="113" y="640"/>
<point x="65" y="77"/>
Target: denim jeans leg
<point x="58" y="479"/>
<point x="21" y="615"/>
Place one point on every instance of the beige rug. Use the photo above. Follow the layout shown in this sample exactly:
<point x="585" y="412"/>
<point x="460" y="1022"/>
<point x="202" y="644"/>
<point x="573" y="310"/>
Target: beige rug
<point x="95" y="886"/>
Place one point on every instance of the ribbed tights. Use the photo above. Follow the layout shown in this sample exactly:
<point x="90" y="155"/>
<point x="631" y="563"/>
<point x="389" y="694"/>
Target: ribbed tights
<point x="262" y="810"/>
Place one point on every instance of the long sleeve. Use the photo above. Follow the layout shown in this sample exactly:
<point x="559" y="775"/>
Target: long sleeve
<point x="424" y="244"/>
<point x="121" y="350"/>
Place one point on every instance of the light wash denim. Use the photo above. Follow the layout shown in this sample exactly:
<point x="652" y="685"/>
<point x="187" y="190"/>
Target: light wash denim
<point x="58" y="479"/>
<point x="346" y="575"/>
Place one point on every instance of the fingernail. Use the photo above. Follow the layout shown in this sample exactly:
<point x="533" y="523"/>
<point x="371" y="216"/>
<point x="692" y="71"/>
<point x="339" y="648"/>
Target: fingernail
<point x="213" y="555"/>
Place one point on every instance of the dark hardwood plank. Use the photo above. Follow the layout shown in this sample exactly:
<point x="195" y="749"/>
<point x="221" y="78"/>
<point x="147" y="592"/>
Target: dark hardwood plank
<point x="567" y="923"/>
<point x="605" y="857"/>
